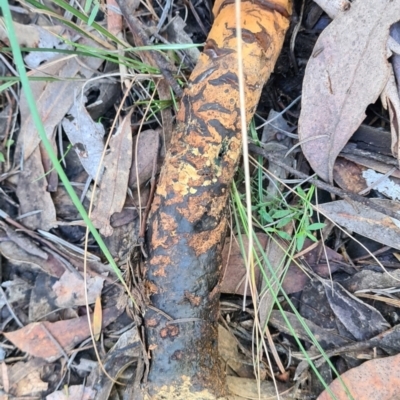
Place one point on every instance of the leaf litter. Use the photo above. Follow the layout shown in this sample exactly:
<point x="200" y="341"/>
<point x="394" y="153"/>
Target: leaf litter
<point x="348" y="70"/>
<point x="42" y="294"/>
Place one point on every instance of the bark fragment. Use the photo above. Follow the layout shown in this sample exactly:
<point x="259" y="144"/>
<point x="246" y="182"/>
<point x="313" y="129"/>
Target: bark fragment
<point x="187" y="225"/>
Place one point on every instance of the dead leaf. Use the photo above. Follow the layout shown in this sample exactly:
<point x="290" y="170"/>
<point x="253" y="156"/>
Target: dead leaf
<point x="395" y="34"/>
<point x="176" y="34"/>
<point x="36" y="36"/>
<point x="51" y="174"/>
<point x="24" y="242"/>
<point x="276" y="251"/>
<point x="360" y="319"/>
<point x="86" y="136"/>
<point x="252" y="389"/>
<point x="114" y="19"/>
<point x="4" y="379"/>
<point x="80" y="392"/>
<point x="390" y="100"/>
<point x="24" y="378"/>
<point x="38" y="339"/>
<point x="114" y="183"/>
<point x="365" y="280"/>
<point x="295" y="278"/>
<point x="48" y="39"/>
<point x="52" y="266"/>
<point x="388" y="340"/>
<point x="386" y="185"/>
<point x="327" y="338"/>
<point x="348" y="175"/>
<point x="234" y="360"/>
<point x="127" y="350"/>
<point x="377" y="379"/>
<point x="17" y="291"/>
<point x="147" y="144"/>
<point x="377" y="162"/>
<point x="70" y="290"/>
<point x="42" y="300"/>
<point x="33" y="195"/>
<point x="53" y="99"/>
<point x="107" y="94"/>
<point x="347" y="71"/>
<point x="234" y="277"/>
<point x="334" y="7"/>
<point x="365" y="221"/>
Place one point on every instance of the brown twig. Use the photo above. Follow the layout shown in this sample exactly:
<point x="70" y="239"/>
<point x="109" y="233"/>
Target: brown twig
<point x="277" y="159"/>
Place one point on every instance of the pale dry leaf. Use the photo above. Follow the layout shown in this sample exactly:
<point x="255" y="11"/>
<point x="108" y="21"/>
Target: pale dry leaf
<point x="385" y="185"/>
<point x="327" y="338"/>
<point x="53" y="99"/>
<point x="347" y="71"/>
<point x="33" y="195"/>
<point x="274" y="271"/>
<point x="395" y="34"/>
<point x="367" y="280"/>
<point x="233" y="359"/>
<point x="252" y="389"/>
<point x="24" y="242"/>
<point x="147" y="145"/>
<point x="70" y="290"/>
<point x="36" y="36"/>
<point x="17" y="291"/>
<point x="176" y="34"/>
<point x="365" y="221"/>
<point x="25" y="378"/>
<point x="390" y="100"/>
<point x="334" y="7"/>
<point x="4" y="378"/>
<point x="114" y="184"/>
<point x="32" y="384"/>
<point x="48" y="39"/>
<point x="86" y="136"/>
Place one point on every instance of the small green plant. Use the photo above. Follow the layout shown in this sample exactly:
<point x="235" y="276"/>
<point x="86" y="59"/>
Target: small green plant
<point x="276" y="214"/>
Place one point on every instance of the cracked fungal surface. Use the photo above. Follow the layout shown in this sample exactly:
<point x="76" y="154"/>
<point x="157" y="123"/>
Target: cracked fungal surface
<point x="188" y="222"/>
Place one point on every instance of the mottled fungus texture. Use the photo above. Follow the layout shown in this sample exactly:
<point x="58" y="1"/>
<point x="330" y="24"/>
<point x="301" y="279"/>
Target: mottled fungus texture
<point x="188" y="219"/>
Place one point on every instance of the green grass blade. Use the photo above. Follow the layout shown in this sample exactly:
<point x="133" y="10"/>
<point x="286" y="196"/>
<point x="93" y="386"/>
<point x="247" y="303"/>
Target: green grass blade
<point x="93" y="14"/>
